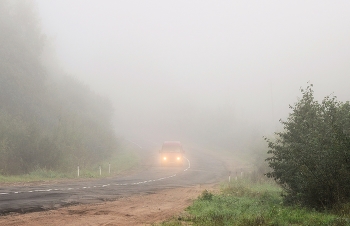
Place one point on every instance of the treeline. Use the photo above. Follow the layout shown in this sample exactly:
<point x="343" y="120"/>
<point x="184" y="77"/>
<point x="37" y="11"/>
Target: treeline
<point x="46" y="121"/>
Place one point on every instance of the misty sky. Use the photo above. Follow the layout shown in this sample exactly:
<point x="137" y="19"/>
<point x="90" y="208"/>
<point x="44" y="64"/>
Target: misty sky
<point x="175" y="65"/>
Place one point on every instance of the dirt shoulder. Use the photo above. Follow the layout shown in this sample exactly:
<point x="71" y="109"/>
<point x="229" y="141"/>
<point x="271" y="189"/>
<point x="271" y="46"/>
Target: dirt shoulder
<point x="144" y="209"/>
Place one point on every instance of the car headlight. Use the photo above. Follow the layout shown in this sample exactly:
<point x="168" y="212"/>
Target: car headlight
<point x="178" y="158"/>
<point x="164" y="158"/>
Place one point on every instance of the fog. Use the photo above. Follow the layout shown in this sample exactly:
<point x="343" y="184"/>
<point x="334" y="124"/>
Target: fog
<point x="219" y="73"/>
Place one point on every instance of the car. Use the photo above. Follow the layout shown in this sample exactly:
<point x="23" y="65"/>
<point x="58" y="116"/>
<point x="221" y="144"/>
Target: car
<point x="172" y="154"/>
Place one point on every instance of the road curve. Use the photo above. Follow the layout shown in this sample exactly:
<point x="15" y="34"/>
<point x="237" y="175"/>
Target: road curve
<point x="200" y="168"/>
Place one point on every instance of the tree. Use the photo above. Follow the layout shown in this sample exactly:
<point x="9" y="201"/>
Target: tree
<point x="48" y="120"/>
<point x="311" y="156"/>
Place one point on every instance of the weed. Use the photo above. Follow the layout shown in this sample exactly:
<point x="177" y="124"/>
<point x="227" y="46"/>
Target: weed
<point x="206" y="195"/>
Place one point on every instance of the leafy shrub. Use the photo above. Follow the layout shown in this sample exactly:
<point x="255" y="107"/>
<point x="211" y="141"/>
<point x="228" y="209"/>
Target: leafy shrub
<point x="311" y="157"/>
<point x="206" y="195"/>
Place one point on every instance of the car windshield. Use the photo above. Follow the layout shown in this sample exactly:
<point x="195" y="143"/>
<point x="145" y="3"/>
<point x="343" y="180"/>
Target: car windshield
<point x="171" y="148"/>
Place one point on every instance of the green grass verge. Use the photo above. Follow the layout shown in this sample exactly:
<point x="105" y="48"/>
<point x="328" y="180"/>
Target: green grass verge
<point x="120" y="162"/>
<point x="244" y="203"/>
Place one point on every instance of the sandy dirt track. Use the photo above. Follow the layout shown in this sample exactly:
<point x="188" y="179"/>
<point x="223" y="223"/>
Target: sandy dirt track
<point x="144" y="209"/>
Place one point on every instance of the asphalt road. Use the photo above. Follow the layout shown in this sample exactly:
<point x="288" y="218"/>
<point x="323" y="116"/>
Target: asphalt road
<point x="199" y="168"/>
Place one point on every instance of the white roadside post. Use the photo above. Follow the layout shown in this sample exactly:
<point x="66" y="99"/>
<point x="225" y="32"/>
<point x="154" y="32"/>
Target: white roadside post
<point x="109" y="168"/>
<point x="229" y="177"/>
<point x="100" y="170"/>
<point x="78" y="172"/>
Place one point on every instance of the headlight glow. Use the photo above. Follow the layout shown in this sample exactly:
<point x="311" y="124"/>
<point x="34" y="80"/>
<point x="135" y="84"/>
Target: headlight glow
<point x="178" y="158"/>
<point x="164" y="158"/>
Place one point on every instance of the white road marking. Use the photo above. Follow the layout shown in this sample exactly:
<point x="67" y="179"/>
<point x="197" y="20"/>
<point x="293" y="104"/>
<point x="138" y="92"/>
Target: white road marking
<point x="189" y="164"/>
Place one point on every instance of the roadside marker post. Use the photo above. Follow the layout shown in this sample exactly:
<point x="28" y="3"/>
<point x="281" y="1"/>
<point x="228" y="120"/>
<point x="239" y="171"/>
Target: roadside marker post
<point x="100" y="170"/>
<point x="78" y="172"/>
<point x="109" y="168"/>
<point x="229" y="176"/>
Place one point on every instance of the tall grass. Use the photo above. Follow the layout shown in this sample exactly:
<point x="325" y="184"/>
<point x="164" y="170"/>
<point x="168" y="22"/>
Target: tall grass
<point x="119" y="163"/>
<point x="245" y="203"/>
<point x="36" y="175"/>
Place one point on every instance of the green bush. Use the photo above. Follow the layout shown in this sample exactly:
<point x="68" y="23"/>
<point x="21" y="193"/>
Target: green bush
<point x="311" y="156"/>
<point x="206" y="195"/>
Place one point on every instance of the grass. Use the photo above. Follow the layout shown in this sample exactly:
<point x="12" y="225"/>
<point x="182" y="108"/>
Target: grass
<point x="244" y="203"/>
<point x="120" y="162"/>
<point x="37" y="175"/>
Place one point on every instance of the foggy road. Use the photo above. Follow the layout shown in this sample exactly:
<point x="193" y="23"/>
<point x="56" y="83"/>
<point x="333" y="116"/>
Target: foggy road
<point x="199" y="169"/>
